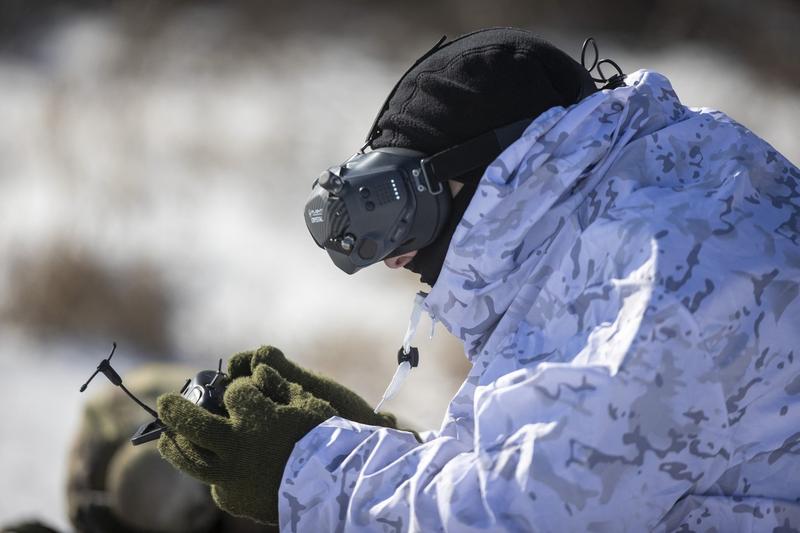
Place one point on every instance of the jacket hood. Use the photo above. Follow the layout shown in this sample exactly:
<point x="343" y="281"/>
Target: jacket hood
<point x="525" y="199"/>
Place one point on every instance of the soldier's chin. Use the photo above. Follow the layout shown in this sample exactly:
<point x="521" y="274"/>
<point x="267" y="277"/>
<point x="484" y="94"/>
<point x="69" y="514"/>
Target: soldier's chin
<point x="148" y="494"/>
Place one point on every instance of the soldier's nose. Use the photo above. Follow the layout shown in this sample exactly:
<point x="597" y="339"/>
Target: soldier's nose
<point x="400" y="260"/>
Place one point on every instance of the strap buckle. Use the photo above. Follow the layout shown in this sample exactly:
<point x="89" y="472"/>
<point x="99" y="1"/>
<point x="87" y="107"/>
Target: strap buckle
<point x="427" y="171"/>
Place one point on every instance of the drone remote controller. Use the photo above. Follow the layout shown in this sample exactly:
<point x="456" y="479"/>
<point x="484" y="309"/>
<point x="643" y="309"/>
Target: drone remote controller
<point x="205" y="390"/>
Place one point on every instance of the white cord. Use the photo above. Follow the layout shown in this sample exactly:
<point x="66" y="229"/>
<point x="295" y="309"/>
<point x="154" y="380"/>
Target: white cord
<point x="400" y="375"/>
<point x="413" y="322"/>
<point x="404" y="368"/>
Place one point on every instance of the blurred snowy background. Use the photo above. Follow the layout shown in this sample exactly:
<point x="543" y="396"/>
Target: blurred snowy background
<point x="155" y="158"/>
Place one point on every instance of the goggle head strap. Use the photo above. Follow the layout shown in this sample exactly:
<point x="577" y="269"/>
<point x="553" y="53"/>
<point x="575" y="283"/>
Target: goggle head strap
<point x="456" y="163"/>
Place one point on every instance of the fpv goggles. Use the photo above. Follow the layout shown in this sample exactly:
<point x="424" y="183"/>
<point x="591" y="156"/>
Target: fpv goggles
<point x="389" y="201"/>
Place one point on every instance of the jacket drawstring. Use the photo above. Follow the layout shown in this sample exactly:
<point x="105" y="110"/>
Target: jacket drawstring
<point x="407" y="356"/>
<point x="413" y="322"/>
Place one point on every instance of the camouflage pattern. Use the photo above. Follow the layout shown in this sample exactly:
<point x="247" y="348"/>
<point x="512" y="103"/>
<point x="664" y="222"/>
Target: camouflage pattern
<point x="625" y="282"/>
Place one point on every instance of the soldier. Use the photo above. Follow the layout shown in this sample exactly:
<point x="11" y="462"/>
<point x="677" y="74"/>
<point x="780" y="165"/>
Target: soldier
<point x="624" y="274"/>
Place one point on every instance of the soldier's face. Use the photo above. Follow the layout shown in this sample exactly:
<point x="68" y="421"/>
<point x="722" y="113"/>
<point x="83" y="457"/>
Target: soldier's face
<point x="400" y="261"/>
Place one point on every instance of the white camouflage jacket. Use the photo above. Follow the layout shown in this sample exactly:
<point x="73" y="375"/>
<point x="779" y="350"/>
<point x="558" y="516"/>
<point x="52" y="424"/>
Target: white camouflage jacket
<point x="625" y="282"/>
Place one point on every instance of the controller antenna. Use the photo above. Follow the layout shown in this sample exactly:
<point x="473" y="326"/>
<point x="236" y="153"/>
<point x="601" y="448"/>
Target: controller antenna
<point x="112" y="375"/>
<point x="217" y="375"/>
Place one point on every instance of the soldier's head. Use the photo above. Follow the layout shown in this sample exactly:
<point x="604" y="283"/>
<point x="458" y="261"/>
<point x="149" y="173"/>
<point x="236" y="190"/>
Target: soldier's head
<point x="460" y="91"/>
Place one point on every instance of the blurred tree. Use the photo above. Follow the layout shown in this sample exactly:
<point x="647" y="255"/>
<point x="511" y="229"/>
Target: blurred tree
<point x="760" y="33"/>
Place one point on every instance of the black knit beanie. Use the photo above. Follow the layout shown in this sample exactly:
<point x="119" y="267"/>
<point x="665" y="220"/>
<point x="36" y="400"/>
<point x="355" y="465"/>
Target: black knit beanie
<point x="468" y="86"/>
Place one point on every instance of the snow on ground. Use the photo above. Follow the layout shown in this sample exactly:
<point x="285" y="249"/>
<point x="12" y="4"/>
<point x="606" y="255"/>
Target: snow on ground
<point x="196" y="160"/>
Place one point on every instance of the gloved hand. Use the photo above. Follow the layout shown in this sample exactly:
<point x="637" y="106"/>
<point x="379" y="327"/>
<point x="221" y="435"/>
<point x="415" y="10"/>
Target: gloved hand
<point x="243" y="456"/>
<point x="347" y="403"/>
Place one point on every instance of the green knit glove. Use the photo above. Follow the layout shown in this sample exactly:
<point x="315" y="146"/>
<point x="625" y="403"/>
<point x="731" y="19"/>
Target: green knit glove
<point x="347" y="403"/>
<point x="242" y="457"/>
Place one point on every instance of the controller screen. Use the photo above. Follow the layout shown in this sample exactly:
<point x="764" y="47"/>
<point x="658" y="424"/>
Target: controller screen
<point x="194" y="394"/>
